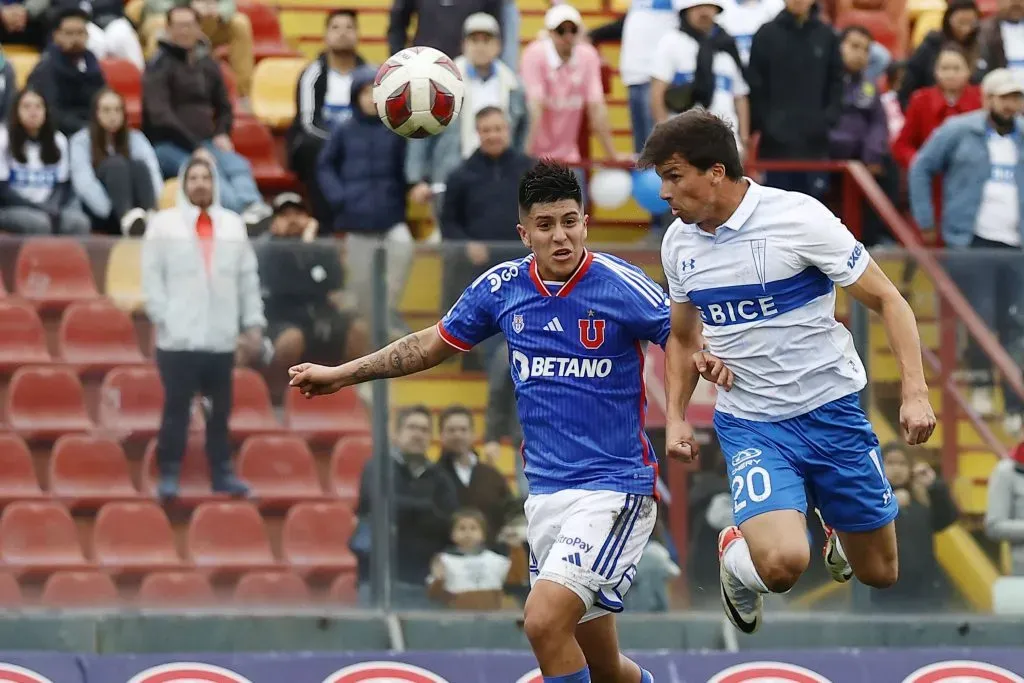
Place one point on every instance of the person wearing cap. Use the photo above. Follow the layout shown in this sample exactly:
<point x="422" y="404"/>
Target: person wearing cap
<point x="796" y="92"/>
<point x="302" y="279"/>
<point x="562" y="76"/>
<point x="489" y="83"/>
<point x="323" y="97"/>
<point x="980" y="156"/>
<point x="438" y="22"/>
<point x="699" y="65"/>
<point x="69" y="76"/>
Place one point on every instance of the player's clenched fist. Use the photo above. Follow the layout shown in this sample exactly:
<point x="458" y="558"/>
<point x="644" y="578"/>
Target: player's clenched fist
<point x="713" y="369"/>
<point x="315" y="380"/>
<point x="917" y="419"/>
<point x="681" y="443"/>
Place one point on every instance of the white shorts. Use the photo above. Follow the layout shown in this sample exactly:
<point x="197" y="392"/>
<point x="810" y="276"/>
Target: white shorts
<point x="589" y="542"/>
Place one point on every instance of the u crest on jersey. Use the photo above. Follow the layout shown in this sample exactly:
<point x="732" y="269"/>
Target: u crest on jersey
<point x="517" y="323"/>
<point x="591" y="333"/>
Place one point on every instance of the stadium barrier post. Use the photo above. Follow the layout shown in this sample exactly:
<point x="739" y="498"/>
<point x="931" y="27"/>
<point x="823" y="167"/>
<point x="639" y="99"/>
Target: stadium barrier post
<point x="381" y="550"/>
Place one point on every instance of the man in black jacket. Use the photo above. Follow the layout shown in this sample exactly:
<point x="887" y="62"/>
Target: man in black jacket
<point x="322" y="98"/>
<point x="481" y="205"/>
<point x="424" y="498"/>
<point x="438" y="22"/>
<point x="796" y="89"/>
<point x="69" y="76"/>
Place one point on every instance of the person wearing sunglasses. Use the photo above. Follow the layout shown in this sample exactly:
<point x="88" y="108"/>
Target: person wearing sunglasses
<point x="562" y="76"/>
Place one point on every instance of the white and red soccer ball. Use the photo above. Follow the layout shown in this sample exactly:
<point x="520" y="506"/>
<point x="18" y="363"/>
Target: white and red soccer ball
<point x="418" y="92"/>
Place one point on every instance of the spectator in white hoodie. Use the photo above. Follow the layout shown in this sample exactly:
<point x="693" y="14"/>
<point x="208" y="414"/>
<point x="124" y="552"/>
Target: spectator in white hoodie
<point x="200" y="280"/>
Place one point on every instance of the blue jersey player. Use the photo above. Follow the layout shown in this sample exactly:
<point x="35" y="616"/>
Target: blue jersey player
<point x="575" y="322"/>
<point x="752" y="273"/>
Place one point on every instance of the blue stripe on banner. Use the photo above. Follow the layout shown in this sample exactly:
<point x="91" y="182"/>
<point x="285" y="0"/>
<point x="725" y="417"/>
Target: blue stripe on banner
<point x="738" y="304"/>
<point x="625" y="538"/>
<point x="612" y="533"/>
<point x="620" y="538"/>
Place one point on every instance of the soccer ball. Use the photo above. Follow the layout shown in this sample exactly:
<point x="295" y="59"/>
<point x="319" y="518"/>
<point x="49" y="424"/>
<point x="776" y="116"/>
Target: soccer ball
<point x="418" y="92"/>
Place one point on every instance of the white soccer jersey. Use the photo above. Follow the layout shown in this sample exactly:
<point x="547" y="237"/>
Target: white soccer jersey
<point x="764" y="284"/>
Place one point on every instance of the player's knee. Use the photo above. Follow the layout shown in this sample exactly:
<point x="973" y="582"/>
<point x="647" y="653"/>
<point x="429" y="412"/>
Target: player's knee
<point x="881" y="572"/>
<point x="546" y="621"/>
<point x="780" y="567"/>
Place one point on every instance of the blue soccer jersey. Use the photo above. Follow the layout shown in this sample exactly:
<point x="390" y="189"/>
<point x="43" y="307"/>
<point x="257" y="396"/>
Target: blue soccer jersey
<point x="577" y="358"/>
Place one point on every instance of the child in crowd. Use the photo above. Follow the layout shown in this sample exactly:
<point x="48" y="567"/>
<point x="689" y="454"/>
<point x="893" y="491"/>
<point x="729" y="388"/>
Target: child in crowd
<point x="468" y="575"/>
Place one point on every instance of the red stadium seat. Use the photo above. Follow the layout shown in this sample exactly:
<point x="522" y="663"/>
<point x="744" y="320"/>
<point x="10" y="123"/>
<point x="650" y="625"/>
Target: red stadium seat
<point x="348" y="459"/>
<point x="52" y="272"/>
<point x="79" y="589"/>
<point x="132" y="400"/>
<point x="46" y="402"/>
<point x="97" y="335"/>
<point x="125" y="79"/>
<point x="280" y="470"/>
<point x="23" y="340"/>
<point x="194" y="483"/>
<point x="314" y="540"/>
<point x="253" y="141"/>
<point x="344" y="589"/>
<point x="86" y="471"/>
<point x="18" y="480"/>
<point x="229" y="538"/>
<point x="266" y="31"/>
<point x="274" y="588"/>
<point x="251" y="411"/>
<point x="175" y="589"/>
<point x="134" y="538"/>
<point x="326" y="418"/>
<point x="39" y="538"/>
<point x="10" y="592"/>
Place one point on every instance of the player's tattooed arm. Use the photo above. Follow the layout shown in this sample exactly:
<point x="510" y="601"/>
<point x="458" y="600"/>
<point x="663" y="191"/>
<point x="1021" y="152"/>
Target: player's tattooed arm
<point x="410" y="354"/>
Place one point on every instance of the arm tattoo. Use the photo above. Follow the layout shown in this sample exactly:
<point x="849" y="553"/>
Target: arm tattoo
<point x="403" y="357"/>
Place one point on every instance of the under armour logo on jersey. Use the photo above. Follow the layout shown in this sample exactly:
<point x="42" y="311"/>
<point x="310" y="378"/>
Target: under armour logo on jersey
<point x="591" y="333"/>
<point x="687" y="265"/>
<point x="573" y="559"/>
<point x="517" y="323"/>
<point x="554" y="326"/>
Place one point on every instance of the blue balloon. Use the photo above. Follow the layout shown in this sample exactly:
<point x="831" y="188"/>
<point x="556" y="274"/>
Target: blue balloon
<point x="647" y="190"/>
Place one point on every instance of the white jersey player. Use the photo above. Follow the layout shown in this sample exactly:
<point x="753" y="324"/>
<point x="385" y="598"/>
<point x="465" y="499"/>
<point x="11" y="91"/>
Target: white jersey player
<point x="752" y="273"/>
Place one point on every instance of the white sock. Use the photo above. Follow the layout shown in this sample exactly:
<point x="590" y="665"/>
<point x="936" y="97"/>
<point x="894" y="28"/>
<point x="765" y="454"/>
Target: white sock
<point x="738" y="563"/>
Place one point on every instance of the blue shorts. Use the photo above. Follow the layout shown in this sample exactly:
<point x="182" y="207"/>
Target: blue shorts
<point x="828" y="458"/>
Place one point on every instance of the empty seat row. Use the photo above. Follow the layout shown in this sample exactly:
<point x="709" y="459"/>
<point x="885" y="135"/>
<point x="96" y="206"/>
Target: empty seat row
<point x="173" y="589"/>
<point x="46" y="401"/>
<point x="86" y="471"/>
<point x="39" y="538"/>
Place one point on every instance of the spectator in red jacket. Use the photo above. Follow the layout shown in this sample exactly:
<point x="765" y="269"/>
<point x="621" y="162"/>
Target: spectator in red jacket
<point x="953" y="94"/>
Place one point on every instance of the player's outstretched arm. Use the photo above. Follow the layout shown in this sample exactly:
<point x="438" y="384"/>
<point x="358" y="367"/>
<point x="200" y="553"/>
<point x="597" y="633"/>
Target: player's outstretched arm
<point x="877" y="292"/>
<point x="409" y="355"/>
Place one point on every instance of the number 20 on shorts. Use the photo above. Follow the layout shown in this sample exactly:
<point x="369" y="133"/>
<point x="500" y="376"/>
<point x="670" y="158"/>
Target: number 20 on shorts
<point x="751" y="482"/>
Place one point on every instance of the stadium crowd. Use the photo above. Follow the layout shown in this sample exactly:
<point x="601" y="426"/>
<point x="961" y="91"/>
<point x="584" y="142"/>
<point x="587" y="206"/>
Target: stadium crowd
<point x="940" y="131"/>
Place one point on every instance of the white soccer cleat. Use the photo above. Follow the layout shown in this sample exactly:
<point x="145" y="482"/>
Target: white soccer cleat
<point x="742" y="605"/>
<point x="837" y="565"/>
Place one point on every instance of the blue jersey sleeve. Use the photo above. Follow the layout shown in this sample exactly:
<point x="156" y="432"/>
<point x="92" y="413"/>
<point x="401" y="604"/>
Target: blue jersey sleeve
<point x="471" y="320"/>
<point x="645" y="306"/>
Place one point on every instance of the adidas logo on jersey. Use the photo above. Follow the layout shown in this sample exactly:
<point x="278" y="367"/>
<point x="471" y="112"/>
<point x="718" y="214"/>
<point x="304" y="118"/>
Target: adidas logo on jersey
<point x="573" y="559"/>
<point x="554" y="326"/>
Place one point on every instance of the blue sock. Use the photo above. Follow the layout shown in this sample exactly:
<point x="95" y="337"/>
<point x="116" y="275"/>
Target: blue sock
<point x="645" y="676"/>
<point x="581" y="676"/>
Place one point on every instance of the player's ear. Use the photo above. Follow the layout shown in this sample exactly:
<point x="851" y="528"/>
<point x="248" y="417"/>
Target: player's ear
<point x="523" y="236"/>
<point x="586" y="226"/>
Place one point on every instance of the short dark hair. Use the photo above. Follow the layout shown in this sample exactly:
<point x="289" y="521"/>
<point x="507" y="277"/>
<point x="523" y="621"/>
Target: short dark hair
<point x="181" y="8"/>
<point x="488" y="110"/>
<point x="955" y="48"/>
<point x="699" y="137"/>
<point x="408" y="411"/>
<point x="452" y="411"/>
<point x="351" y="13"/>
<point x="72" y="12"/>
<point x="548" y="181"/>
<point x="857" y="28"/>
<point x="470" y="513"/>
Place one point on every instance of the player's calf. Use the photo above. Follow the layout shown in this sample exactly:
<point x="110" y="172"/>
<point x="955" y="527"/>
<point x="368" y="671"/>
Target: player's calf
<point x="873" y="555"/>
<point x="550" y="617"/>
